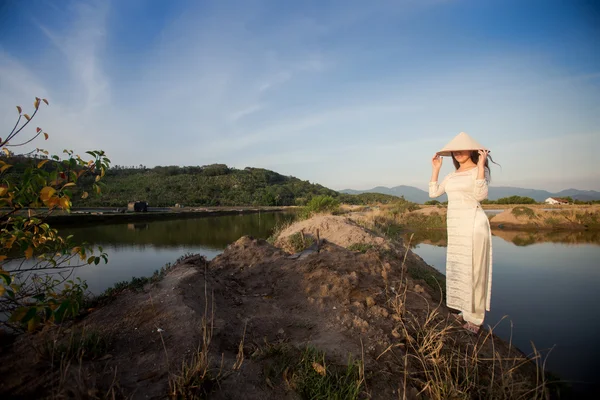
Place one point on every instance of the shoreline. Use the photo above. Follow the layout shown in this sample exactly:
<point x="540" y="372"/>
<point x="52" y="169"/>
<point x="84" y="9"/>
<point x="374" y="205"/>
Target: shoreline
<point x="83" y="217"/>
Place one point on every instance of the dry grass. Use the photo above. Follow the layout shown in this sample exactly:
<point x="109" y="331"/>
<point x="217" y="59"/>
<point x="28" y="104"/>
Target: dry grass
<point x="71" y="372"/>
<point x="199" y="376"/>
<point x="442" y="360"/>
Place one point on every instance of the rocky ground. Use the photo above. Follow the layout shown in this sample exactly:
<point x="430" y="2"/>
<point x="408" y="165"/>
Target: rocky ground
<point x="353" y="315"/>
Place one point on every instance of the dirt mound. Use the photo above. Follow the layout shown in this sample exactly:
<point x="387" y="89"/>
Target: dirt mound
<point x="523" y="217"/>
<point x="338" y="230"/>
<point x="252" y="310"/>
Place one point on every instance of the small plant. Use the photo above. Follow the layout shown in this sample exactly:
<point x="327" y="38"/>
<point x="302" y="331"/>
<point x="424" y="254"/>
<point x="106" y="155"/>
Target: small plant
<point x="315" y="379"/>
<point x="523" y="211"/>
<point x="298" y="242"/>
<point x="309" y="374"/>
<point x="361" y="247"/>
<point x="80" y="345"/>
<point x="280" y="227"/>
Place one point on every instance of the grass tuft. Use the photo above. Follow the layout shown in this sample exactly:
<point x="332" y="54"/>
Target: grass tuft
<point x="308" y="372"/>
<point x="298" y="242"/>
<point x="78" y="345"/>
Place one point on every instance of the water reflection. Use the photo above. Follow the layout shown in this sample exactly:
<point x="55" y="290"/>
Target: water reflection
<point x="439" y="237"/>
<point x="210" y="232"/>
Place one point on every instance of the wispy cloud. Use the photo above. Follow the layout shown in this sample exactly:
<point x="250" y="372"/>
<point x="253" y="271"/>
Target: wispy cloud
<point x="82" y="43"/>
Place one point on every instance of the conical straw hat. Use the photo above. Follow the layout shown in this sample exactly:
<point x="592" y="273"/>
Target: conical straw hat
<point x="462" y="141"/>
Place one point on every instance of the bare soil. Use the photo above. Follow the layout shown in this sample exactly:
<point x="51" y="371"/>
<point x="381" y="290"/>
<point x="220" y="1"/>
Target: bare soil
<point x="338" y="230"/>
<point x="345" y="303"/>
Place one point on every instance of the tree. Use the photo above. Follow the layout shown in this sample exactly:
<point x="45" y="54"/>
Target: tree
<point x="36" y="262"/>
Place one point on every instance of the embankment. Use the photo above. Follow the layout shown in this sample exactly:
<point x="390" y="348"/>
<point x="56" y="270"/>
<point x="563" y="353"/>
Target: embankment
<point x="513" y="218"/>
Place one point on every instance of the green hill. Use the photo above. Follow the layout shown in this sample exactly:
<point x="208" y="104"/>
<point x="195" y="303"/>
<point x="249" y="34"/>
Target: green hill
<point x="212" y="185"/>
<point x="209" y="185"/>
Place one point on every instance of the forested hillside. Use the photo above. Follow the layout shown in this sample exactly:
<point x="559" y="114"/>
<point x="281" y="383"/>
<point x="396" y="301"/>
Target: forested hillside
<point x="209" y="185"/>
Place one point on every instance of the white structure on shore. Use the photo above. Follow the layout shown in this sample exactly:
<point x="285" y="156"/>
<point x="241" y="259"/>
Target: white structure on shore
<point x="556" y="200"/>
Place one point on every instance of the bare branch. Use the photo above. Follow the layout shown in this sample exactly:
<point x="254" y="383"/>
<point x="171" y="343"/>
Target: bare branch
<point x="13" y="134"/>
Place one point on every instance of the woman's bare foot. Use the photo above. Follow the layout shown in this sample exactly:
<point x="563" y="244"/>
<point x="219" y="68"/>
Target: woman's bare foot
<point x="471" y="327"/>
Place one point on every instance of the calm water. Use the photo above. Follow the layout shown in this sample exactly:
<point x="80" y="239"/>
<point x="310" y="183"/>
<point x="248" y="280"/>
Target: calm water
<point x="545" y="284"/>
<point x="140" y="249"/>
<point x="549" y="292"/>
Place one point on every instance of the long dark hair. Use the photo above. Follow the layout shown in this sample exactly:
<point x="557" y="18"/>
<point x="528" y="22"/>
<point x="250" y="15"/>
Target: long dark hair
<point x="475" y="159"/>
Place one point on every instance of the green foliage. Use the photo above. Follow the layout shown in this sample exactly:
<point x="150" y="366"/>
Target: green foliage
<point x="208" y="186"/>
<point x="34" y="258"/>
<point x="316" y="380"/>
<point x="389" y="228"/>
<point x="320" y="204"/>
<point x="403" y="206"/>
<point x="367" y="198"/>
<point x="515" y="200"/>
<point x="523" y="211"/>
<point x="432" y="203"/>
<point x="421" y="221"/>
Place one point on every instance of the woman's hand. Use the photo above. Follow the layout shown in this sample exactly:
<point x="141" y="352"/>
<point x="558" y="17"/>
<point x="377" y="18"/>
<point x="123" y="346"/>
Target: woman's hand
<point x="436" y="162"/>
<point x="482" y="158"/>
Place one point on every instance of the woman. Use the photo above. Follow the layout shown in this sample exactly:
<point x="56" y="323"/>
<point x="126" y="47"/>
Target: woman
<point x="469" y="252"/>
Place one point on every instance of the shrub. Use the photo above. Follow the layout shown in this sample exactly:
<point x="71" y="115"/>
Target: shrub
<point x="404" y="206"/>
<point x="523" y="211"/>
<point x="320" y="204"/>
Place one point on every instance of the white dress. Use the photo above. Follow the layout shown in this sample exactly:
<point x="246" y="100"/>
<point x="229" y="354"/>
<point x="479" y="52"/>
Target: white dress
<point x="469" y="252"/>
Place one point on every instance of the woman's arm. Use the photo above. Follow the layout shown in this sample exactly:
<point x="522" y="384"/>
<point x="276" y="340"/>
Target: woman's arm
<point x="436" y="190"/>
<point x="481" y="182"/>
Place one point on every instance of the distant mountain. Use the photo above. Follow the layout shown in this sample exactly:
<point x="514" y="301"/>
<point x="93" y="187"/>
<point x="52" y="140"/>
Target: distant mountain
<point x="417" y="195"/>
<point x="410" y="193"/>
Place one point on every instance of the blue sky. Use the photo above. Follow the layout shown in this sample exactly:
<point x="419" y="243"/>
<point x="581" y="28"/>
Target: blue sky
<point x="349" y="94"/>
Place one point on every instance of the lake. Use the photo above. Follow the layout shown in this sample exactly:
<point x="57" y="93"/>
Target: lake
<point x="546" y="284"/>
